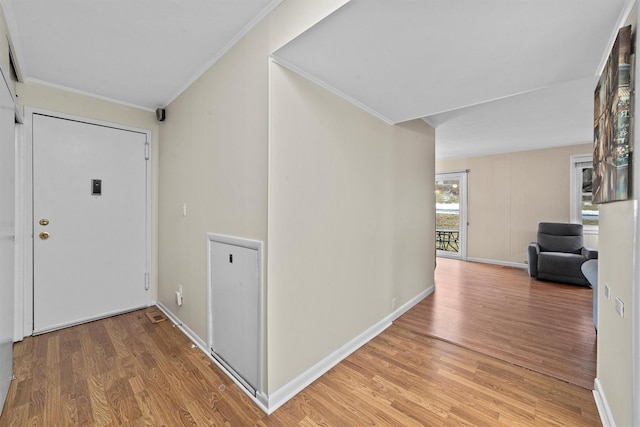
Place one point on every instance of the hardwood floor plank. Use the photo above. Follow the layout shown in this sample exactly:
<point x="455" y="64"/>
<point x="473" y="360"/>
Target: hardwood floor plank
<point x="147" y="408"/>
<point x="20" y="393"/>
<point x="544" y="326"/>
<point x="82" y="398"/>
<point x="333" y="411"/>
<point x="127" y="371"/>
<point x="53" y="400"/>
<point x="99" y="404"/>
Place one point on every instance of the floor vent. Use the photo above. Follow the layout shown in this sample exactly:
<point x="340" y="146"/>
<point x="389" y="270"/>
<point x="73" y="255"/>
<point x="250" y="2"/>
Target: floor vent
<point x="155" y="316"/>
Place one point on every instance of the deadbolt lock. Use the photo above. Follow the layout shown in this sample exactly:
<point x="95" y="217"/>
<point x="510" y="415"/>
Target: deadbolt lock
<point x="44" y="222"/>
<point x="44" y="235"/>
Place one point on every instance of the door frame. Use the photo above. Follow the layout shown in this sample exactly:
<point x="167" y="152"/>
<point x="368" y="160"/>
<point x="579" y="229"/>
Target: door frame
<point x="24" y="183"/>
<point x="461" y="175"/>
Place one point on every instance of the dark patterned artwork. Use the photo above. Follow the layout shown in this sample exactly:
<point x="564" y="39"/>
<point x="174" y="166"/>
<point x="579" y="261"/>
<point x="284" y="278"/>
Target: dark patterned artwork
<point x="613" y="123"/>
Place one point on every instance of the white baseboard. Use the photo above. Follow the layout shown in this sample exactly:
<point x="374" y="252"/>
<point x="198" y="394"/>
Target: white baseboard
<point x="260" y="399"/>
<point x="296" y="385"/>
<point x="184" y="328"/>
<point x="293" y="387"/>
<point x="412" y="302"/>
<point x="603" y="406"/>
<point x="498" y="262"/>
<point x="269" y="403"/>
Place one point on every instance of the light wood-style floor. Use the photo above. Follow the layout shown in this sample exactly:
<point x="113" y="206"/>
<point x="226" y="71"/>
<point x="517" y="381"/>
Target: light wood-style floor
<point x="127" y="371"/>
<point x="502" y="312"/>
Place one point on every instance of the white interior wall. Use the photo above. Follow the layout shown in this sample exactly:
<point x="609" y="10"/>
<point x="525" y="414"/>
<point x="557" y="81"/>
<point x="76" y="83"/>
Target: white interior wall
<point x="372" y="184"/>
<point x="617" y="381"/>
<point x="351" y="221"/>
<point x="615" y="334"/>
<point x="214" y="159"/>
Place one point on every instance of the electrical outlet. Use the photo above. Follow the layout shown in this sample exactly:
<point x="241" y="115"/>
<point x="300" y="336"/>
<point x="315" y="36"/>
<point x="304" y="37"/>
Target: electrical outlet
<point x="620" y="307"/>
<point x="607" y="292"/>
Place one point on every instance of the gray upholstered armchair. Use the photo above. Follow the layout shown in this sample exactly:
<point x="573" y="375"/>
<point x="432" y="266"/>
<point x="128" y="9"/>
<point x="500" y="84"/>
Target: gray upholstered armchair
<point x="559" y="253"/>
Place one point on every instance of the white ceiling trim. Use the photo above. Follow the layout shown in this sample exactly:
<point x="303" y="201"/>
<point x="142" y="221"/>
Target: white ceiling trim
<point x="624" y="16"/>
<point x="270" y="7"/>
<point x="330" y="88"/>
<point x="559" y="115"/>
<point x="5" y="72"/>
<point x="24" y="72"/>
<point x="89" y="94"/>
<point x="495" y="50"/>
<point x="430" y="121"/>
<point x="16" y="49"/>
<point x="507" y="150"/>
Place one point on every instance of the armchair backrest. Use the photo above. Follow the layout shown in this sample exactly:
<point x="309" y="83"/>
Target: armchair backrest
<point x="558" y="237"/>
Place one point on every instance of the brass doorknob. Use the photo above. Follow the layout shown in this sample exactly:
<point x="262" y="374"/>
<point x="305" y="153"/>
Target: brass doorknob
<point x="44" y="221"/>
<point x="44" y="235"/>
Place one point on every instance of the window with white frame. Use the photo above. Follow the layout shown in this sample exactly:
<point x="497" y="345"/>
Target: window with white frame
<point x="583" y="211"/>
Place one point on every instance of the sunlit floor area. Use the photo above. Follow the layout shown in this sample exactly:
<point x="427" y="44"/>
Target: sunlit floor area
<point x="502" y="312"/>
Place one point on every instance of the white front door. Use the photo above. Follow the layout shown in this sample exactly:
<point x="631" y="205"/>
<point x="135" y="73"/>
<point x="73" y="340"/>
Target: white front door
<point x="90" y="222"/>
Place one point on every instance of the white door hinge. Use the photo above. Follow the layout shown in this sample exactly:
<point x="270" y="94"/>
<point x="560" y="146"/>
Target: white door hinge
<point x="146" y="281"/>
<point x="147" y="151"/>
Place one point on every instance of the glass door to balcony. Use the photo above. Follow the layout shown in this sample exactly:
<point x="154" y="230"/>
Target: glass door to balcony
<point x="451" y="218"/>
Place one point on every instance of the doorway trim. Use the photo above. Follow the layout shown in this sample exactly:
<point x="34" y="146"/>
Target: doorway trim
<point x="460" y="175"/>
<point x="24" y="234"/>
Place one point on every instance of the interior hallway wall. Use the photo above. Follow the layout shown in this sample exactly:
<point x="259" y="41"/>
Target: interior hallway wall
<point x="619" y="259"/>
<point x="217" y="149"/>
<point x="214" y="158"/>
<point x="351" y="221"/>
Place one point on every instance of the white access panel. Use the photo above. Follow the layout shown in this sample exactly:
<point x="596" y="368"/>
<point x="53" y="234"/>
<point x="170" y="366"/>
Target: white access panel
<point x="235" y="310"/>
<point x="7" y="230"/>
<point x="89" y="222"/>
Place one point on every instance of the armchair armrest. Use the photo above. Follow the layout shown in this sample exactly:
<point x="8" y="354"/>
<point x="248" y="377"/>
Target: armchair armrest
<point x="589" y="253"/>
<point x="533" y="250"/>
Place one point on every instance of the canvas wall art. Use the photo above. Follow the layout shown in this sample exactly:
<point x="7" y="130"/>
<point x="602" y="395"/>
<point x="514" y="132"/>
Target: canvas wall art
<point x="613" y="123"/>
